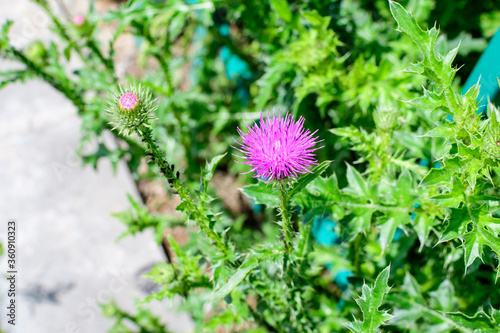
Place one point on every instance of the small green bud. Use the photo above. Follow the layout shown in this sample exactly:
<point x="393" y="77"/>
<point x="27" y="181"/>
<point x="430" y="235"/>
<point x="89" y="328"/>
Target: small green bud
<point x="37" y="53"/>
<point x="81" y="26"/>
<point x="109" y="310"/>
<point x="385" y="118"/>
<point x="130" y="108"/>
<point x="163" y="273"/>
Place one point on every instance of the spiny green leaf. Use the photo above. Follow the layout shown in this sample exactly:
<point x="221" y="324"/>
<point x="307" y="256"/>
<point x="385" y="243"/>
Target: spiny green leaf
<point x="441" y="131"/>
<point x="358" y="186"/>
<point x="448" y="59"/>
<point x="455" y="224"/>
<point x="261" y="193"/>
<point x="321" y="196"/>
<point x="426" y="102"/>
<point x="444" y="174"/>
<point x="283" y="9"/>
<point x="443" y="298"/>
<point x="408" y="25"/>
<point x="388" y="228"/>
<point x="452" y="200"/>
<point x="435" y="68"/>
<point x="240" y="274"/>
<point x="472" y="248"/>
<point x="303" y="181"/>
<point x="417" y="68"/>
<point x="480" y="322"/>
<point x="360" y="222"/>
<point x="209" y="170"/>
<point x="423" y="226"/>
<point x="473" y="167"/>
<point x="370" y="301"/>
<point x="476" y="228"/>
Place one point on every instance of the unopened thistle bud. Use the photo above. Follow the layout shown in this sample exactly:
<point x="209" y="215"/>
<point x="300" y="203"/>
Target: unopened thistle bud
<point x="385" y="118"/>
<point x="130" y="108"/>
<point x="78" y="19"/>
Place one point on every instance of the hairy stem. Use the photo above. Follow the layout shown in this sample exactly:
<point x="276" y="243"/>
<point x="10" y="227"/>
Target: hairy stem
<point x="168" y="171"/>
<point x="286" y="221"/>
<point x="107" y="62"/>
<point x="69" y="90"/>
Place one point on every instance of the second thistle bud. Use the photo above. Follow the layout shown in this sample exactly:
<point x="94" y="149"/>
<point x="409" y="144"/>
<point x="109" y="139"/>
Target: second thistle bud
<point x="78" y="19"/>
<point x="131" y="108"/>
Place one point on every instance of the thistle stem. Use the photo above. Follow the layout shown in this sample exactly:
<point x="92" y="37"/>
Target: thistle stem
<point x="167" y="170"/>
<point x="286" y="221"/>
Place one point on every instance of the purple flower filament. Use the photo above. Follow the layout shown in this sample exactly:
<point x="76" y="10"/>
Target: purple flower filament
<point x="279" y="148"/>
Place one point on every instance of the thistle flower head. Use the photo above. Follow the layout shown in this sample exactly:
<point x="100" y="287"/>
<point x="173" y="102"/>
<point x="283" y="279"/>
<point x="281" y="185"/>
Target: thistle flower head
<point x="128" y="102"/>
<point x="278" y="148"/>
<point x="78" y="19"/>
<point x="130" y="107"/>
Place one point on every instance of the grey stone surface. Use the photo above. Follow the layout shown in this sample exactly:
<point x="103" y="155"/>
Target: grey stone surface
<point x="67" y="257"/>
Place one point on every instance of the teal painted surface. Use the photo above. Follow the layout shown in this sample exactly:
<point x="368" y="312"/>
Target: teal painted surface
<point x="323" y="231"/>
<point x="487" y="70"/>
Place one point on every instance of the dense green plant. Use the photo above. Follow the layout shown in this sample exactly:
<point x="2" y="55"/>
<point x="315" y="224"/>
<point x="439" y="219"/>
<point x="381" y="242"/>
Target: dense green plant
<point x="417" y="213"/>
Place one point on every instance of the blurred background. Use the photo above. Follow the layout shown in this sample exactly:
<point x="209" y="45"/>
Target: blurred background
<point x="211" y="65"/>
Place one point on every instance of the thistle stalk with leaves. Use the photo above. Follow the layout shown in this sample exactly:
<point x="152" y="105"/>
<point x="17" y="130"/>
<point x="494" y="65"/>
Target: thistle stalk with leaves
<point x="131" y="109"/>
<point x="278" y="151"/>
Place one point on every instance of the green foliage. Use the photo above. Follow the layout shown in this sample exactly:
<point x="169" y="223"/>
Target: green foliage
<point x="163" y="273"/>
<point x="143" y="321"/>
<point x="482" y="321"/>
<point x="465" y="175"/>
<point x="370" y="301"/>
<point x="137" y="219"/>
<point x="261" y="193"/>
<point x="236" y="279"/>
<point x="266" y="194"/>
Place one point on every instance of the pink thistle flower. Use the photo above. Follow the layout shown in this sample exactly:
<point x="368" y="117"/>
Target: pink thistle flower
<point x="78" y="19"/>
<point x="128" y="101"/>
<point x="278" y="148"/>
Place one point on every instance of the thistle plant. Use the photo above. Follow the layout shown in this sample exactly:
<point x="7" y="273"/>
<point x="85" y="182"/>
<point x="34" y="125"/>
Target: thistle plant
<point x="278" y="151"/>
<point x="409" y="201"/>
<point x="131" y="109"/>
